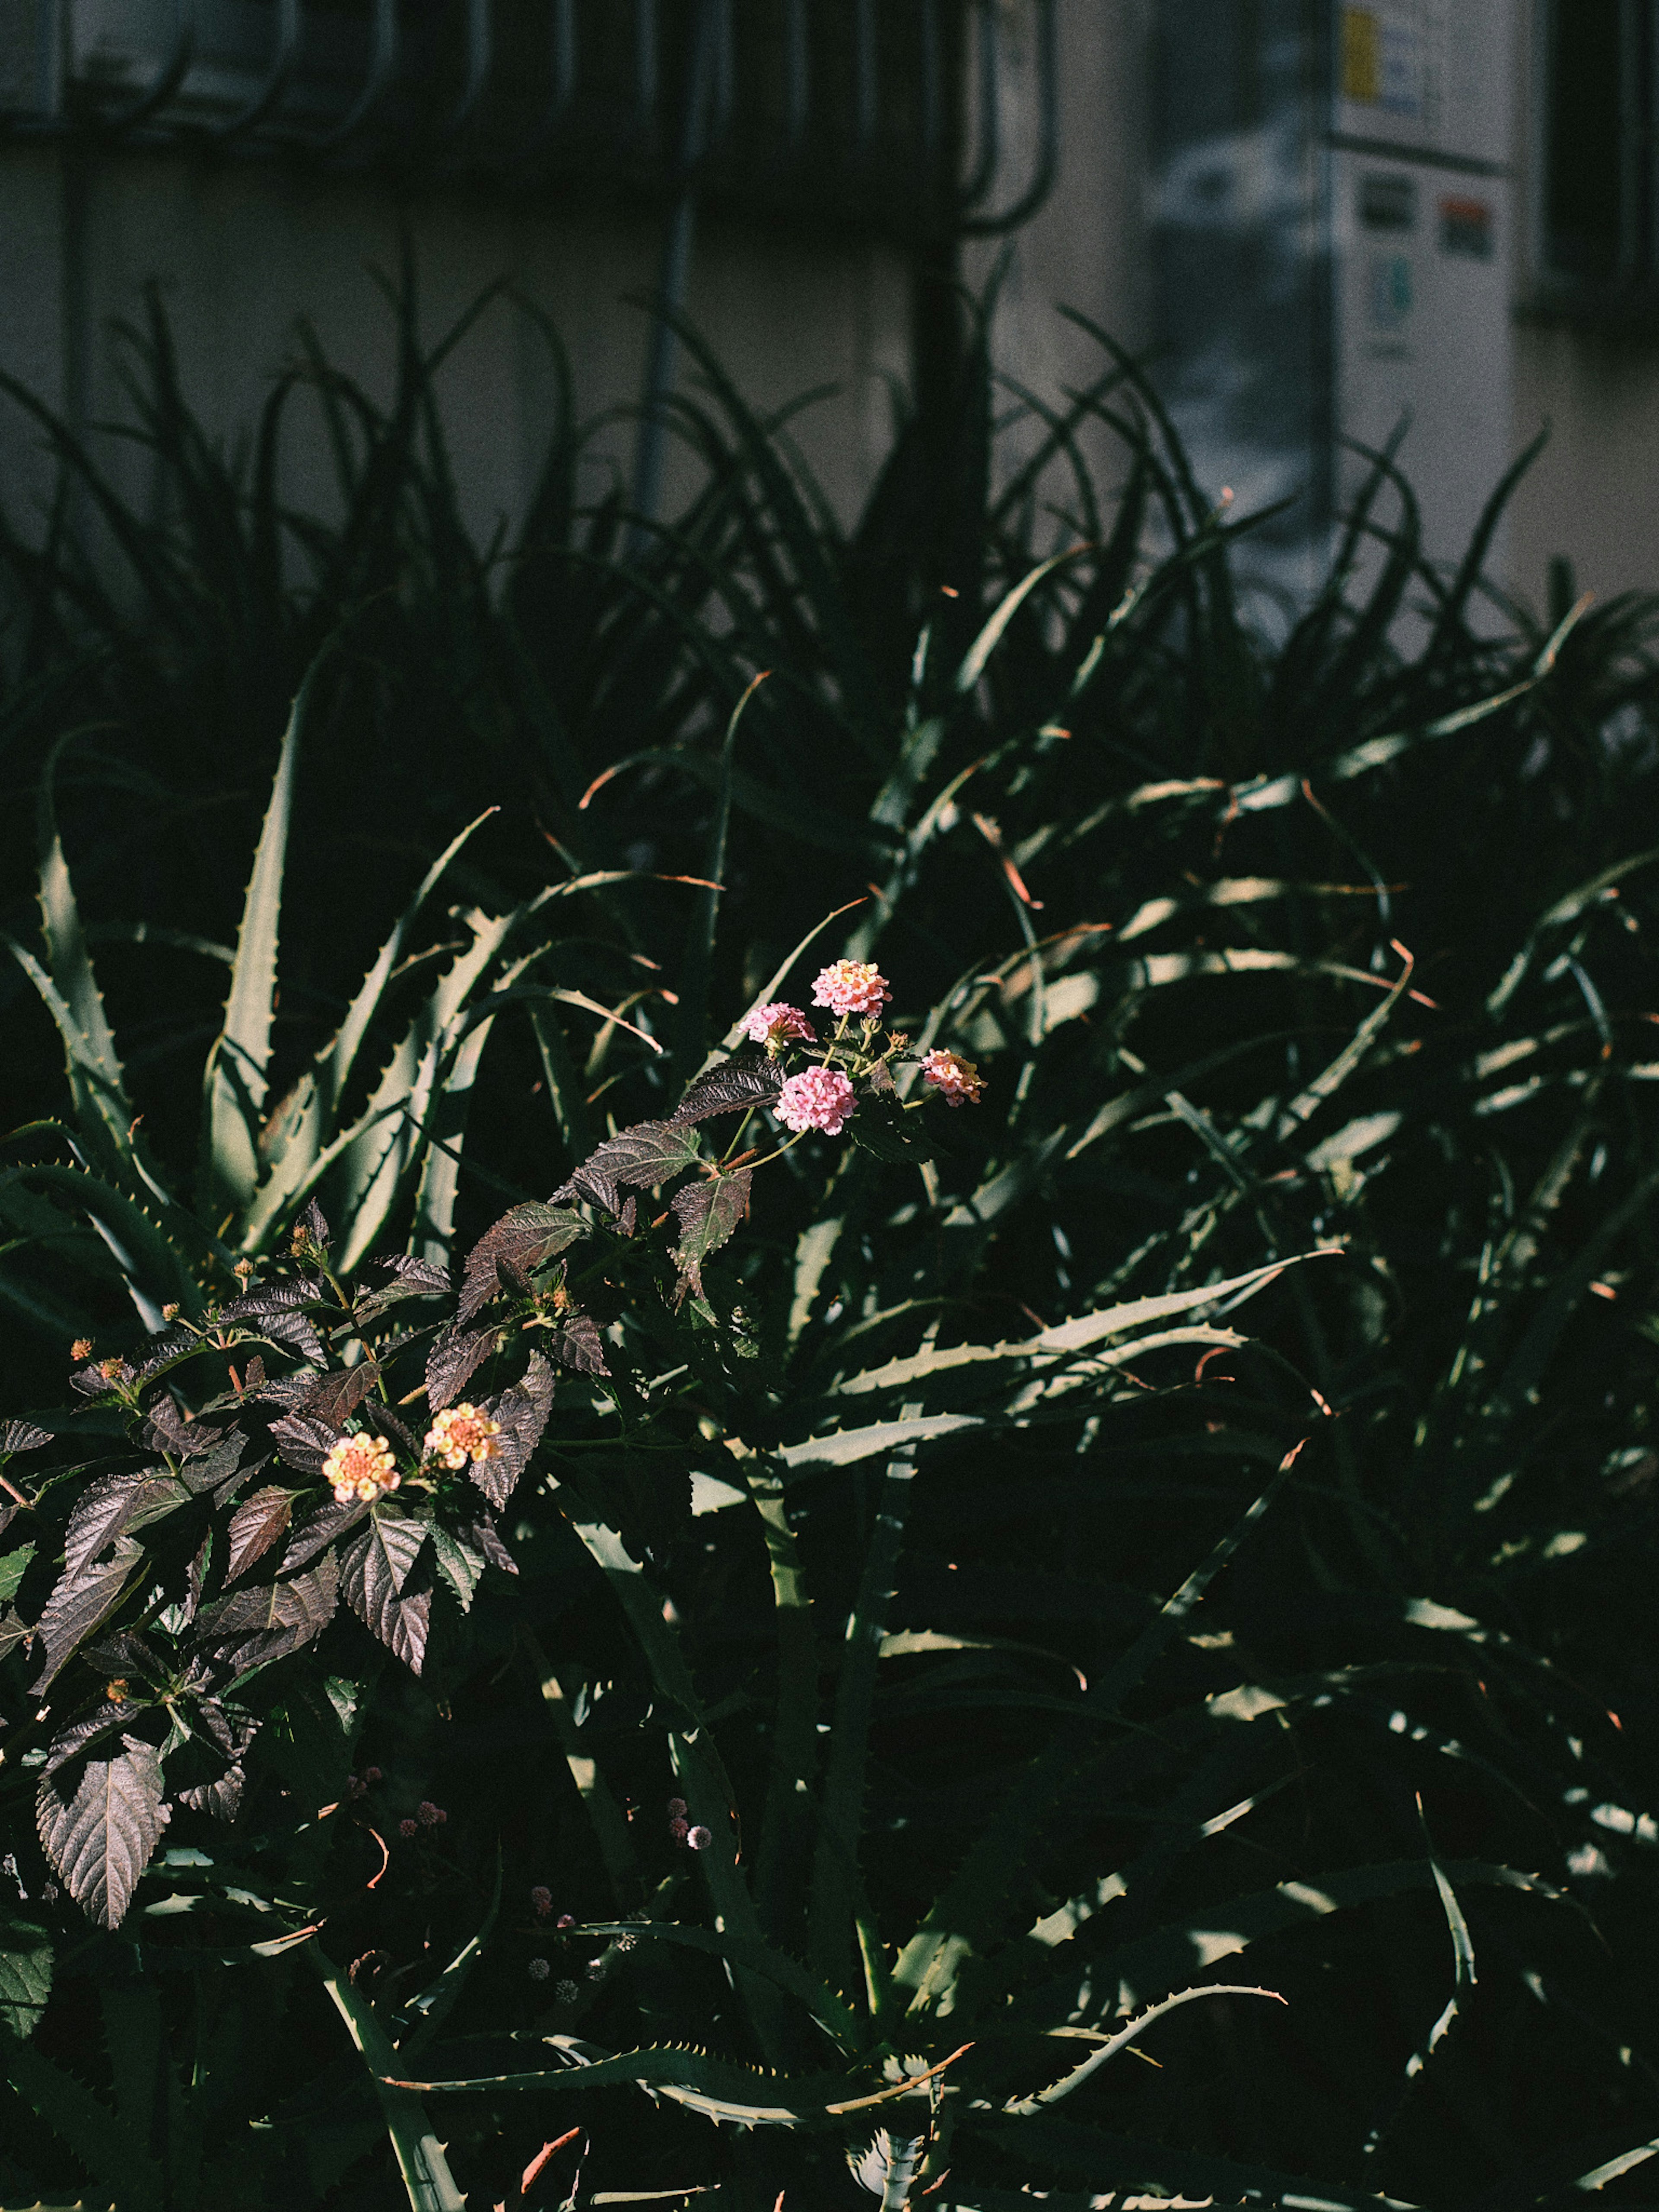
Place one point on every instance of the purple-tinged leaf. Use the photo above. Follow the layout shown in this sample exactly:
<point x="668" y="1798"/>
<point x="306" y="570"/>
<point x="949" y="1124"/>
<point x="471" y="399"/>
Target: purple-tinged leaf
<point x="522" y="1413"/>
<point x="708" y="1212"/>
<point x="489" y="1541"/>
<point x="411" y="1278"/>
<point x="22" y="1437"/>
<point x="218" y="1734"/>
<point x="100" y="1840"/>
<point x="454" y="1359"/>
<point x="387" y="1423"/>
<point x="304" y="1441"/>
<point x="745" y="1079"/>
<point x="167" y="1429"/>
<point x="163" y="1351"/>
<point x="316" y="1225"/>
<point x="115" y="1502"/>
<point x="251" y="1627"/>
<point x="255" y="1526"/>
<point x="577" y="1343"/>
<point x="374" y="1568"/>
<point x="104" y="1719"/>
<point x="79" y="1606"/>
<point x="328" y="1521"/>
<point x="525" y="1238"/>
<point x="460" y="1564"/>
<point x="335" y="1397"/>
<point x="215" y="1469"/>
<point x="648" y="1154"/>
<point x="124" y="1655"/>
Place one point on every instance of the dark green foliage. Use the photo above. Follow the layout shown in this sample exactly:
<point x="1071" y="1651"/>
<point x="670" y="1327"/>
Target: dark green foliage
<point x="935" y="1638"/>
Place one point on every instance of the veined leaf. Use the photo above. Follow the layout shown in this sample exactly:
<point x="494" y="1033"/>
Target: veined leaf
<point x="255" y="1526"/>
<point x="521" y="1415"/>
<point x="650" y="1153"/>
<point x="112" y="1503"/>
<point x="461" y="1566"/>
<point x="524" y="1239"/>
<point x="707" y="1210"/>
<point x="100" y="1839"/>
<point x="253" y="1627"/>
<point x="79" y="1603"/>
<point x="26" y="1963"/>
<point x="373" y="1571"/>
<point x="745" y="1079"/>
<point x="454" y="1358"/>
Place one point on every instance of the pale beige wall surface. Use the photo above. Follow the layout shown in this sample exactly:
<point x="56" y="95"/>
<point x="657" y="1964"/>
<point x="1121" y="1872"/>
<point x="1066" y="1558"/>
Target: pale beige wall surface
<point x="240" y="253"/>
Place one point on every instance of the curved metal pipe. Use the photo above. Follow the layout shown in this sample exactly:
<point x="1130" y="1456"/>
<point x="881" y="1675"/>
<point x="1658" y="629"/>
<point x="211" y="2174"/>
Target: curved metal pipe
<point x="797" y="74"/>
<point x="480" y="53"/>
<point x="168" y="78"/>
<point x="866" y="91"/>
<point x="974" y="189"/>
<point x="562" y="40"/>
<point x="383" y="52"/>
<point x="284" y="60"/>
<point x="1048" y="160"/>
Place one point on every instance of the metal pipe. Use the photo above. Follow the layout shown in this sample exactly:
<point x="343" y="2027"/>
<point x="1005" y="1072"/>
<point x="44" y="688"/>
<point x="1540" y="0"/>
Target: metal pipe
<point x="651" y="452"/>
<point x="284" y="58"/>
<point x="865" y="83"/>
<point x="1048" y="160"/>
<point x="167" y="79"/>
<point x="562" y="62"/>
<point x="797" y="73"/>
<point x="385" y="45"/>
<point x="971" y="192"/>
<point x="480" y="52"/>
<point x="647" y="72"/>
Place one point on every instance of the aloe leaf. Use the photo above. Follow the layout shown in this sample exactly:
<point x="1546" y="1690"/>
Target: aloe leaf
<point x="118" y="2159"/>
<point x="235" y="1080"/>
<point x="974" y="660"/>
<point x="97" y="1083"/>
<point x="339" y="1058"/>
<point x="830" y="2010"/>
<point x="437" y="2000"/>
<point x="790" y="1807"/>
<point x="718" y="2089"/>
<point x="838" y="1905"/>
<point x="604" y="1815"/>
<point x="1113" y="2044"/>
<point x="420" y="2156"/>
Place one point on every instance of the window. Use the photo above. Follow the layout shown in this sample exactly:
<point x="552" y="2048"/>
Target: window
<point x="1599" y="190"/>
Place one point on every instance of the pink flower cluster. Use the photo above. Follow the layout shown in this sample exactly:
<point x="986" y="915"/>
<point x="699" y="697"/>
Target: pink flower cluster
<point x="958" y="1082"/>
<point x="776" y="1023"/>
<point x="818" y="1098"/>
<point x="852" y="986"/>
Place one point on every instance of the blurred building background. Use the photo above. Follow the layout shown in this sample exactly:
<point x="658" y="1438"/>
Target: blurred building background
<point x="1323" y="221"/>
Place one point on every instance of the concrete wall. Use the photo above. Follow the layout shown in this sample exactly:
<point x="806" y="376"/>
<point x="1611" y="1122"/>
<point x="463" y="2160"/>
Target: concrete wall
<point x="240" y="253"/>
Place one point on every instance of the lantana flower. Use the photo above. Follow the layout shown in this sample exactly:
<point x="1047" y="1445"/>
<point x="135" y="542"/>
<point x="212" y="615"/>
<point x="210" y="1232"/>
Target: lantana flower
<point x="360" y="1467"/>
<point x="852" y="986"/>
<point x="462" y="1433"/>
<point x="818" y="1098"/>
<point x="776" y="1023"/>
<point x="958" y="1082"/>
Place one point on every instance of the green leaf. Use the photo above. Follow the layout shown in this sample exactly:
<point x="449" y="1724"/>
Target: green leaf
<point x="26" y="1961"/>
<point x="420" y="2156"/>
<point x="117" y="2159"/>
<point x="890" y="1132"/>
<point x="235" y="1079"/>
<point x="13" y="1568"/>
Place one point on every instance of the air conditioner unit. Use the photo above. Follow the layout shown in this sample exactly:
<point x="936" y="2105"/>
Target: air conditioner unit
<point x="1332" y="220"/>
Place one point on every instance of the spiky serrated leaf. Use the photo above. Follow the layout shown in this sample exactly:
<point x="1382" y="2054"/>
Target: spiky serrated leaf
<point x="745" y="1079"/>
<point x="100" y="1839"/>
<point x="255" y="1526"/>
<point x="103" y="1720"/>
<point x="521" y="1415"/>
<point x="460" y="1564"/>
<point x="337" y="1396"/>
<point x="22" y="1437"/>
<point x="167" y="1429"/>
<point x="79" y="1604"/>
<point x="374" y="1570"/>
<point x="251" y="1627"/>
<point x="113" y="1503"/>
<point x="525" y="1238"/>
<point x="577" y="1343"/>
<point x="26" y="1961"/>
<point x="220" y="1738"/>
<point x="304" y="1441"/>
<point x="217" y="1467"/>
<point x="454" y="1358"/>
<point x="648" y="1154"/>
<point x="489" y="1543"/>
<point x="331" y="1520"/>
<point x="708" y="1213"/>
<point x="411" y="1278"/>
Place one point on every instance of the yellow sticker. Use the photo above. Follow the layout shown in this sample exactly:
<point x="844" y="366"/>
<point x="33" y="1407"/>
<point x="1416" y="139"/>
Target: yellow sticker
<point x="1362" y="56"/>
